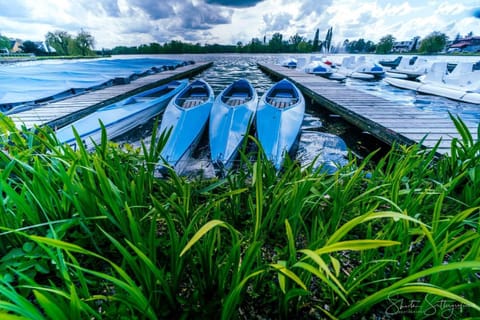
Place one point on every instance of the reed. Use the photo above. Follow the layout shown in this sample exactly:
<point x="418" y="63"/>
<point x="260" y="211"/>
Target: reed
<point x="95" y="234"/>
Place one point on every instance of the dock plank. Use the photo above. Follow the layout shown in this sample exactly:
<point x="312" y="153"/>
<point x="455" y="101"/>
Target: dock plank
<point x="61" y="112"/>
<point x="389" y="121"/>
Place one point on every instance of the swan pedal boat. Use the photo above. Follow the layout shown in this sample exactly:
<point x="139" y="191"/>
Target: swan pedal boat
<point x="279" y="118"/>
<point x="462" y="84"/>
<point x="119" y="117"/>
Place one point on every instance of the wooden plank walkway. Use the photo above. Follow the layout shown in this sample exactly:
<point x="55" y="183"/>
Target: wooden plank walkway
<point x="62" y="112"/>
<point x="388" y="121"/>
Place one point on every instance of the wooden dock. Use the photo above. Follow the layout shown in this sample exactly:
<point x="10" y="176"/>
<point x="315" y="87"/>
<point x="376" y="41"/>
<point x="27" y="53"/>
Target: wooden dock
<point x="388" y="121"/>
<point x="62" y="112"/>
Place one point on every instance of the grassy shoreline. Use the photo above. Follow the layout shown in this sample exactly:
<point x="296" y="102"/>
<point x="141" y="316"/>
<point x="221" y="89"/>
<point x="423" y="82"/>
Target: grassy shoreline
<point x="96" y="235"/>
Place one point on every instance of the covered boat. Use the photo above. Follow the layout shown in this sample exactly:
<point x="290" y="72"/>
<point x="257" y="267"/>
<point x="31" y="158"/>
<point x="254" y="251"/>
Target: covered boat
<point x="232" y="113"/>
<point x="185" y="119"/>
<point x="462" y="84"/>
<point x="120" y="117"/>
<point x="280" y="114"/>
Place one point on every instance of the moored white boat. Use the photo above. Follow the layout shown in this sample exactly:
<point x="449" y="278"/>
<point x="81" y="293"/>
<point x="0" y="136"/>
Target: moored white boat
<point x="232" y="113"/>
<point x="462" y="84"/>
<point x="324" y="69"/>
<point x="280" y="115"/>
<point x="361" y="68"/>
<point x="408" y="70"/>
<point x="185" y="119"/>
<point x="290" y="63"/>
<point x="120" y="117"/>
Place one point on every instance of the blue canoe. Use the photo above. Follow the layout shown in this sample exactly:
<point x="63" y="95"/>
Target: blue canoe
<point x="280" y="114"/>
<point x="121" y="116"/>
<point x="232" y="113"/>
<point x="185" y="119"/>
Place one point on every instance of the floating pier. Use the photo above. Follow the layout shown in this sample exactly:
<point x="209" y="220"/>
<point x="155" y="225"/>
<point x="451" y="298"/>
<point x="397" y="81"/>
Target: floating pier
<point x="61" y="112"/>
<point x="388" y="121"/>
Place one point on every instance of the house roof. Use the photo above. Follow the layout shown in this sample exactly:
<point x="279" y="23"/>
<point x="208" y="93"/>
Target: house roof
<point x="461" y="44"/>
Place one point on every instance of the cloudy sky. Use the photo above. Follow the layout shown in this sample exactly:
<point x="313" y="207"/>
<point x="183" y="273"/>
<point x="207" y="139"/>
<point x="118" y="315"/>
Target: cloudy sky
<point x="134" y="22"/>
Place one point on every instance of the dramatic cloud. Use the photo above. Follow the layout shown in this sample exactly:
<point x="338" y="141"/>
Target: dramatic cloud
<point x="277" y="22"/>
<point x="476" y="13"/>
<point x="154" y="8"/>
<point x="235" y="3"/>
<point x="135" y="22"/>
<point x="202" y="17"/>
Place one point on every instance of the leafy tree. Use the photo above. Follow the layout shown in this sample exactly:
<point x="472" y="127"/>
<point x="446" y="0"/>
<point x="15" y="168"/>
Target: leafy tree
<point x="305" y="47"/>
<point x="385" y="44"/>
<point x="4" y="42"/>
<point x="255" y="46"/>
<point x="276" y="43"/>
<point x="295" y="41"/>
<point x="84" y="42"/>
<point x="60" y="41"/>
<point x="433" y="43"/>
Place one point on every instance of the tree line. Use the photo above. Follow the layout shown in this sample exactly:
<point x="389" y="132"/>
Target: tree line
<point x="433" y="43"/>
<point x="277" y="43"/>
<point x="62" y="43"/>
<point x="65" y="44"/>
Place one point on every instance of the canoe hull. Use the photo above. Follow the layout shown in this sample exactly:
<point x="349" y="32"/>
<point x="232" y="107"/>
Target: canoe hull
<point x="185" y="126"/>
<point x="120" y="117"/>
<point x="230" y="120"/>
<point x="278" y="128"/>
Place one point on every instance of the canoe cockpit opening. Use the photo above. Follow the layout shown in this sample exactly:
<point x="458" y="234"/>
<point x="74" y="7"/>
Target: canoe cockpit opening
<point x="282" y="98"/>
<point x="236" y="99"/>
<point x="194" y="96"/>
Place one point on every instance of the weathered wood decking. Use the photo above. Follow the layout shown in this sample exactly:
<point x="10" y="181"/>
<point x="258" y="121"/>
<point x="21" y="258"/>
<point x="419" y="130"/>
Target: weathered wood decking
<point x="62" y="112"/>
<point x="388" y="121"/>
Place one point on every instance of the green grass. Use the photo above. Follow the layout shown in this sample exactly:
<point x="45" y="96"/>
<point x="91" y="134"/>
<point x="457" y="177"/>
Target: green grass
<point x="95" y="235"/>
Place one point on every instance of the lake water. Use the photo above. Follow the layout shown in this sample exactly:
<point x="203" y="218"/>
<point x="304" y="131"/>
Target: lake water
<point x="320" y="128"/>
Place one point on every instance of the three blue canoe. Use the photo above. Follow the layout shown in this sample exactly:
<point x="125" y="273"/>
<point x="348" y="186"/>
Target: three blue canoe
<point x="185" y="119"/>
<point x="280" y="115"/>
<point x="232" y="113"/>
<point x="120" y="117"/>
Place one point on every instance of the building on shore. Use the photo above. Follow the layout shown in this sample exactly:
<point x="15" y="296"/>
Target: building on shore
<point x="467" y="44"/>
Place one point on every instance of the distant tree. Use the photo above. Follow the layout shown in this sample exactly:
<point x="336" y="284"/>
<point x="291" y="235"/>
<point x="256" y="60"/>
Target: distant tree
<point x="295" y="41"/>
<point x="255" y="46"/>
<point x="385" y="44"/>
<point x="276" y="43"/>
<point x="60" y="41"/>
<point x="84" y="42"/>
<point x="305" y="46"/>
<point x="4" y="42"/>
<point x="370" y="46"/>
<point x="316" y="41"/>
<point x="358" y="46"/>
<point x="433" y="43"/>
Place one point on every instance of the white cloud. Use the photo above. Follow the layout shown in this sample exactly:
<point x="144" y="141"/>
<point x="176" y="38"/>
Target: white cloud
<point x="135" y="22"/>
